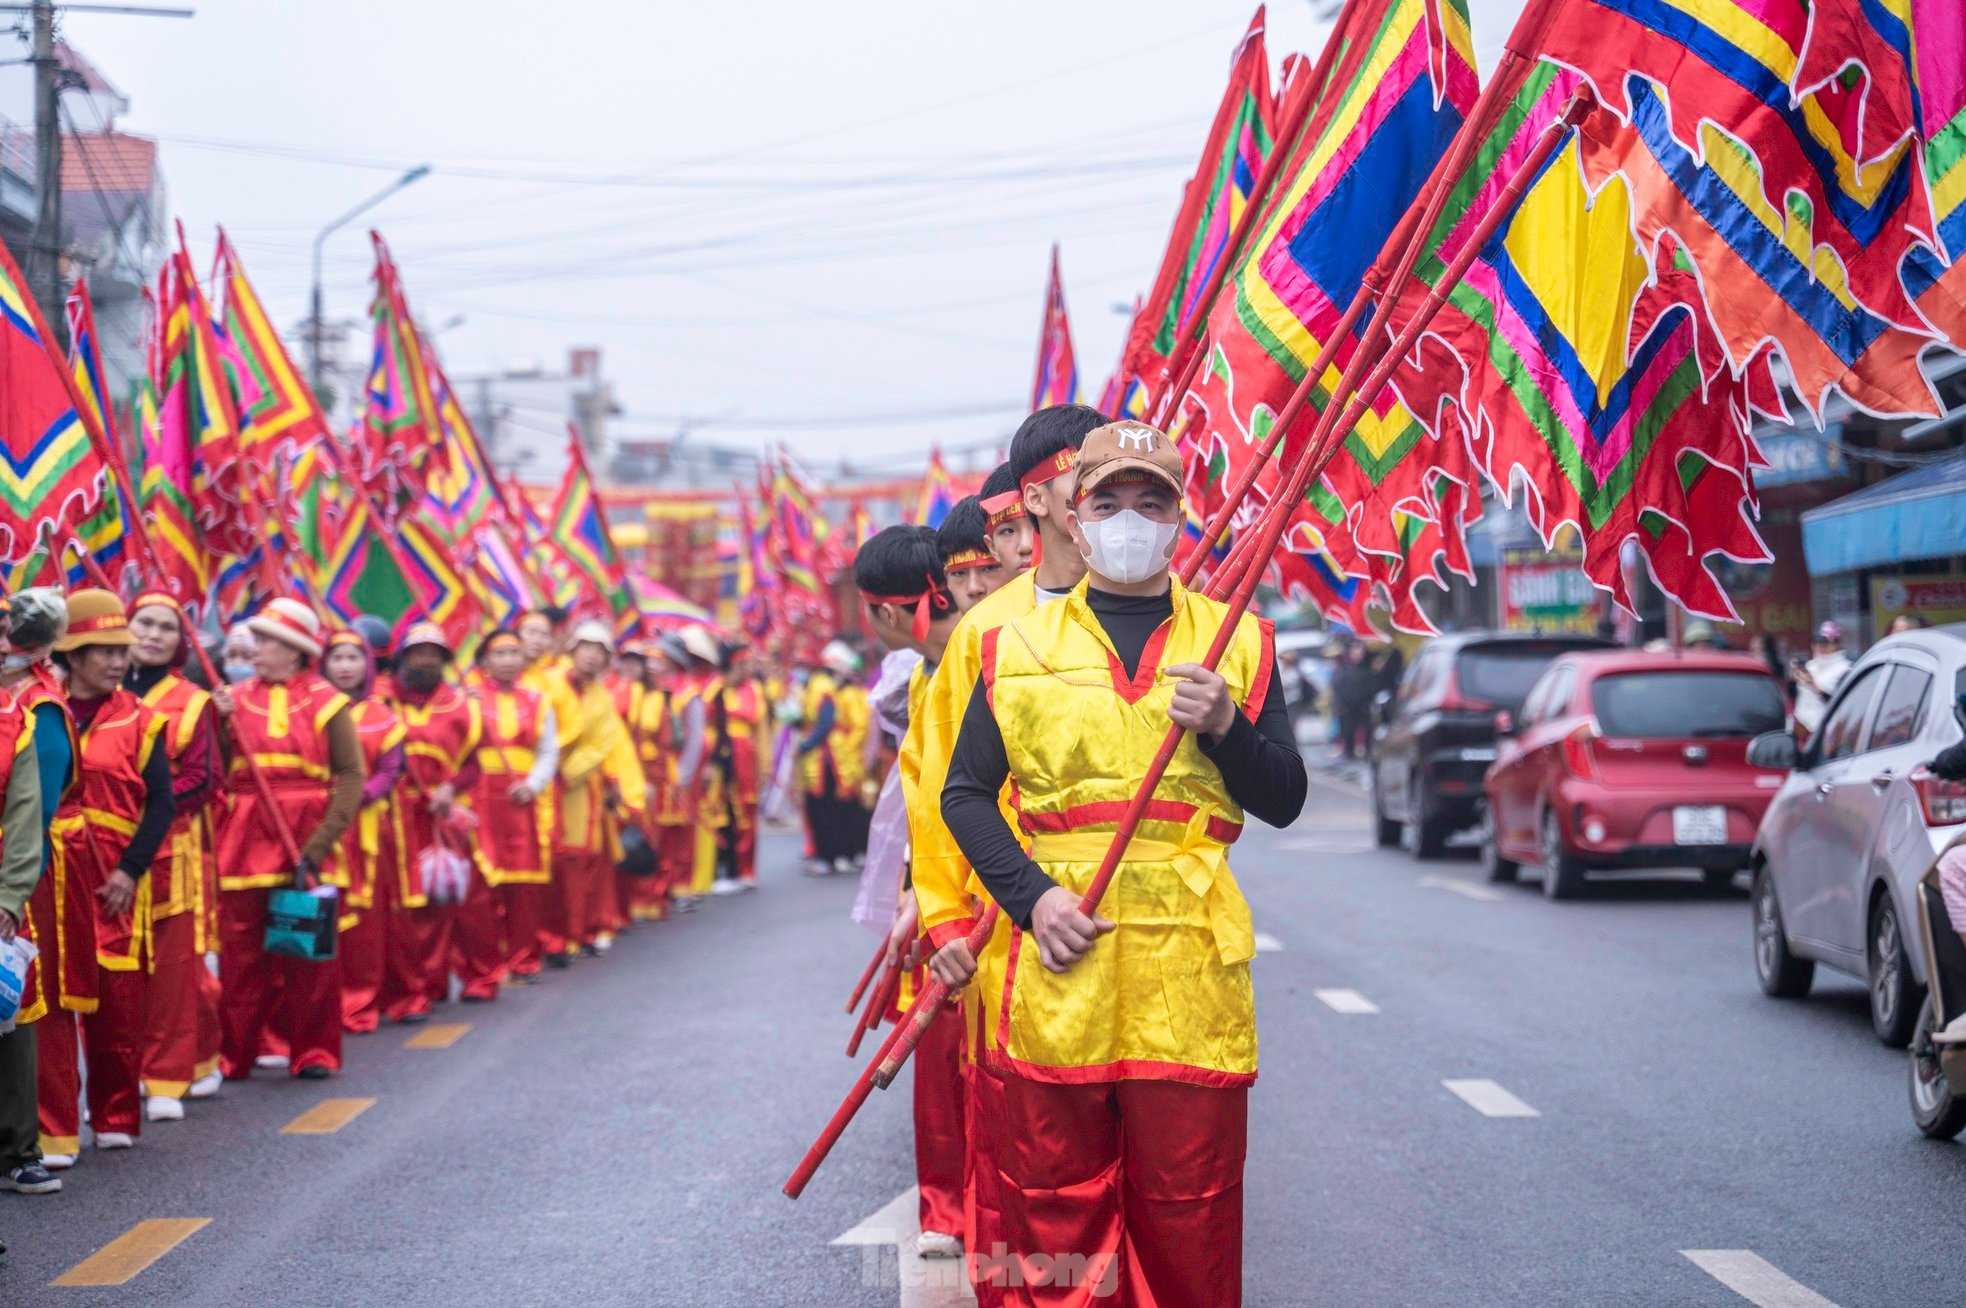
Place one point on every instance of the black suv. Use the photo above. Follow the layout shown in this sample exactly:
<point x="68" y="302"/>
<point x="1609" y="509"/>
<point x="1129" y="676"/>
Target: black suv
<point x="1433" y="741"/>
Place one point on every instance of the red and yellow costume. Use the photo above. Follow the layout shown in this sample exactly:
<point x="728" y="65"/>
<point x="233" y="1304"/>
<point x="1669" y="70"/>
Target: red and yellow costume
<point x="182" y="1028"/>
<point x="441" y="735"/>
<point x="381" y="973"/>
<point x="600" y="760"/>
<point x="707" y="789"/>
<point x="60" y="917"/>
<point x="512" y="837"/>
<point x="1125" y="1078"/>
<point x="672" y="808"/>
<point x="92" y="828"/>
<point x="283" y="728"/>
<point x="747" y="724"/>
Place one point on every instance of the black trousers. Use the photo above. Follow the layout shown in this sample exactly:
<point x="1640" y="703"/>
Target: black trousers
<point x="20" y="1129"/>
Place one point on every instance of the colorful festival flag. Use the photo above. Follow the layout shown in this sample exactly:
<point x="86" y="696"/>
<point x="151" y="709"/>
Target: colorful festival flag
<point x="400" y="433"/>
<point x="105" y="532"/>
<point x="1057" y="380"/>
<point x="938" y="495"/>
<point x="1212" y="203"/>
<point x="578" y="533"/>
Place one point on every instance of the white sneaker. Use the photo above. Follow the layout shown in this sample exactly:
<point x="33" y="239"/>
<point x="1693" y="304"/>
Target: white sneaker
<point x="109" y="1140"/>
<point x="162" y="1108"/>
<point x="603" y="943"/>
<point x="725" y="887"/>
<point x="206" y="1086"/>
<point x="842" y="864"/>
<point x="272" y="1062"/>
<point x="57" y="1162"/>
<point x="1954" y="1033"/>
<point x="935" y="1244"/>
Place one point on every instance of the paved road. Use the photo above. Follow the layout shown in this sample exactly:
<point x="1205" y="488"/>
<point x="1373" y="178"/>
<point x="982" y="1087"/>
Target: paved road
<point x="619" y="1135"/>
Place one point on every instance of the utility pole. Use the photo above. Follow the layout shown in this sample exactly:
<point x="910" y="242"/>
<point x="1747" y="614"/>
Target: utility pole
<point x="44" y="254"/>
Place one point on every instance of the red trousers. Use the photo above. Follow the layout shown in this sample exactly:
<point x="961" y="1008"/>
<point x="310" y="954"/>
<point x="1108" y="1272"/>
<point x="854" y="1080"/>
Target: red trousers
<point x="939" y="1123"/>
<point x="262" y="989"/>
<point x="463" y="938"/>
<point x="744" y="844"/>
<point x="677" y="850"/>
<point x="1125" y="1193"/>
<point x="640" y="899"/>
<point x="175" y="1030"/>
<point x="580" y="905"/>
<point x="983" y="1232"/>
<point x="381" y="966"/>
<point x="111" y="1038"/>
<point x="521" y="912"/>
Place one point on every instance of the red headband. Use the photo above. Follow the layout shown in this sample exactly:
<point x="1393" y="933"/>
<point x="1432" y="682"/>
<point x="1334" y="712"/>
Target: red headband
<point x="1007" y="507"/>
<point x="962" y="560"/>
<point x="924" y="606"/>
<point x="1056" y="466"/>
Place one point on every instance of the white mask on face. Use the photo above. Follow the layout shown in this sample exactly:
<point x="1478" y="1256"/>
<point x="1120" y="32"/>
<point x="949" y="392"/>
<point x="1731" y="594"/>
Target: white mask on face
<point x="1128" y="547"/>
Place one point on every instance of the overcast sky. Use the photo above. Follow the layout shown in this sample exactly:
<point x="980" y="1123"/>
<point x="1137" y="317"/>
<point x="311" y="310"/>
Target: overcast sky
<point x="821" y="224"/>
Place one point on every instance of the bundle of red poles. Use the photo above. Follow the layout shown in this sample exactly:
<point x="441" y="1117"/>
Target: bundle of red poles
<point x="1364" y="376"/>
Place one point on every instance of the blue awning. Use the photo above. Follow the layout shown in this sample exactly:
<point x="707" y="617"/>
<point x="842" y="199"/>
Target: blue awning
<point x="1919" y="514"/>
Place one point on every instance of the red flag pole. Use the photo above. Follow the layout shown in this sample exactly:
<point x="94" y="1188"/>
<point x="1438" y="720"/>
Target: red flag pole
<point x="860" y="987"/>
<point x="878" y="1003"/>
<point x="1276" y="518"/>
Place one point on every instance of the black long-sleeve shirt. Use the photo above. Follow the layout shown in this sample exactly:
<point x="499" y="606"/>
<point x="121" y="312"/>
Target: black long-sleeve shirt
<point x="1259" y="763"/>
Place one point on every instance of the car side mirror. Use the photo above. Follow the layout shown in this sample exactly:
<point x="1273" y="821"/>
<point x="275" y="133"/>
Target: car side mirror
<point x="1775" y="749"/>
<point x="1504" y="724"/>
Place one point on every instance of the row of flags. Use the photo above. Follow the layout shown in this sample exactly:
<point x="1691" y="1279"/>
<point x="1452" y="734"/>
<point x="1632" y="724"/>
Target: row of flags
<point x="241" y="490"/>
<point x="1748" y="204"/>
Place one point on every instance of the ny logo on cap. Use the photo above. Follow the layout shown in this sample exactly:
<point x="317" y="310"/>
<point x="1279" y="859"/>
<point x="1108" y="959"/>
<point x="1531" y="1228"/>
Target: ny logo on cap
<point x="1136" y="436"/>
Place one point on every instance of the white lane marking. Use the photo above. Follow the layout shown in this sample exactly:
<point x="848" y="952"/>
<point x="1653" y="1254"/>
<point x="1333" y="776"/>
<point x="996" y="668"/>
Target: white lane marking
<point x="1755" y="1279"/>
<point x="1267" y="943"/>
<point x="1314" y="845"/>
<point x="1489" y="1099"/>
<point x="923" y="1282"/>
<point x="1462" y="886"/>
<point x="1346" y="1001"/>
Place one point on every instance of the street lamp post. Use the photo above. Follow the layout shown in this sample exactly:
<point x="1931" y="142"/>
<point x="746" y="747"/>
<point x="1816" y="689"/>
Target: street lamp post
<point x="314" y="324"/>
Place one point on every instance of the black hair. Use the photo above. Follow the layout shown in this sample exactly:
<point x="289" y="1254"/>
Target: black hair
<point x="1044" y="433"/>
<point x="555" y="615"/>
<point x="965" y="528"/>
<point x="904" y="560"/>
<point x="484" y="646"/>
<point x="1003" y="481"/>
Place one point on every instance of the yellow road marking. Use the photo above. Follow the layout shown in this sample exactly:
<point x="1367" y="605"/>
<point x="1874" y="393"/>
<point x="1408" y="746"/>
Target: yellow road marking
<point x="327" y="1117"/>
<point x="442" y="1035"/>
<point x="131" y="1252"/>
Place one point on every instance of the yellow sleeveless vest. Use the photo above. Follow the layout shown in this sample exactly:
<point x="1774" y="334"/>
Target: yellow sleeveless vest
<point x="1167" y="995"/>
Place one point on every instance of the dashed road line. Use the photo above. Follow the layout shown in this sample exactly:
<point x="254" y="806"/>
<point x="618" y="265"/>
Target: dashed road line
<point x="1463" y="887"/>
<point x="327" y="1117"/>
<point x="1349" y="1002"/>
<point x="1489" y="1099"/>
<point x="129" y="1253"/>
<point x="1755" y="1279"/>
<point x="1361" y="843"/>
<point x="438" y="1035"/>
<point x="1267" y="943"/>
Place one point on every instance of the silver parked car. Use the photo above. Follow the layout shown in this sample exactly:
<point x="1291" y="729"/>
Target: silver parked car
<point x="1856" y="824"/>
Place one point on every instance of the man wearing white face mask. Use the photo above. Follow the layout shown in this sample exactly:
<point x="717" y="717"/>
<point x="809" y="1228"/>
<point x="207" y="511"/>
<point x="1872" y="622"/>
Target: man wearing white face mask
<point x="1127" y="1041"/>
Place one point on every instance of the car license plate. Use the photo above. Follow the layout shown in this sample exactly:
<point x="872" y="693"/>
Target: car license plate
<point x="1705" y="825"/>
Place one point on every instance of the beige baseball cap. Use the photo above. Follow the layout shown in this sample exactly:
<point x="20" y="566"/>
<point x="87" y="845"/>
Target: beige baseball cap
<point x="1126" y="447"/>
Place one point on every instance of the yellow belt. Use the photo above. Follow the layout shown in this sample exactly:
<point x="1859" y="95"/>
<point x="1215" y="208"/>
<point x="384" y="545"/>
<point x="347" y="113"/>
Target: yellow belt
<point x="1201" y="863"/>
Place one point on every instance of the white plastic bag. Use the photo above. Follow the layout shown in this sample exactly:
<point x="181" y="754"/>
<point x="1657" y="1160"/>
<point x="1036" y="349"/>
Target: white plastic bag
<point x="446" y="874"/>
<point x="15" y="956"/>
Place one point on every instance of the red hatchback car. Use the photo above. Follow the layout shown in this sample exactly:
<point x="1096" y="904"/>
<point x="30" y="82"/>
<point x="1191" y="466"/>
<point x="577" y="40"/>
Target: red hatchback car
<point x="1624" y="759"/>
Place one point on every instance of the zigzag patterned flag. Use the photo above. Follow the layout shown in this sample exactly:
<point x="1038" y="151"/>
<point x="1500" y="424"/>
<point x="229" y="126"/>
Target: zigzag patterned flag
<point x="937" y="497"/>
<point x="1571" y="364"/>
<point x="1401" y="88"/>
<point x="462" y="494"/>
<point x="579" y="534"/>
<point x="1057" y="380"/>
<point x="192" y="448"/>
<point x="1936" y="278"/>
<point x="1784" y="165"/>
<point x="1212" y="203"/>
<point x="49" y="473"/>
<point x="400" y="433"/>
<point x="104" y="533"/>
<point x="282" y="414"/>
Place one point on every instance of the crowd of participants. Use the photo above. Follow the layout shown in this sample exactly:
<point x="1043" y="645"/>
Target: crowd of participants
<point x="465" y="821"/>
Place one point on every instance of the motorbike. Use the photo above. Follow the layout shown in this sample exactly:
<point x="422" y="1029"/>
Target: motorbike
<point x="1938" y="1072"/>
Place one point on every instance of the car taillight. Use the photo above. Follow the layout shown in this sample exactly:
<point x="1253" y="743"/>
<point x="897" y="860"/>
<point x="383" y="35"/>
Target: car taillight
<point x="1942" y="802"/>
<point x="1579" y="760"/>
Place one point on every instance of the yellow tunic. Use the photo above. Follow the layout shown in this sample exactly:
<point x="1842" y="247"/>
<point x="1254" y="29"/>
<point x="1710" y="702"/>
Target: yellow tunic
<point x="600" y="752"/>
<point x="1166" y="996"/>
<point x="853" y="717"/>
